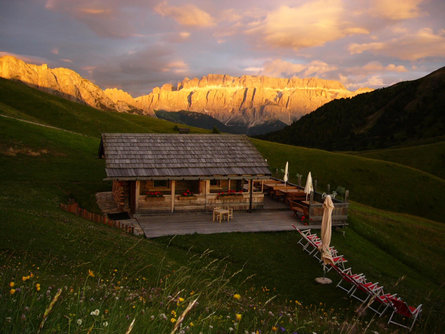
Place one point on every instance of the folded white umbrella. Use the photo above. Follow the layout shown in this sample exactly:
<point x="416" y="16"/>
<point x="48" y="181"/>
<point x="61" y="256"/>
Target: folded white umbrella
<point x="326" y="230"/>
<point x="286" y="173"/>
<point x="308" y="188"/>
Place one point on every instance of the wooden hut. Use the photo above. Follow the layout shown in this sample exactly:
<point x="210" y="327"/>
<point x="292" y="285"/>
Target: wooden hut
<point x="177" y="172"/>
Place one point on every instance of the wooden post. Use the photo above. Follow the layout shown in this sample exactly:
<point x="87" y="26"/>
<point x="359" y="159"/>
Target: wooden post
<point x="173" y="185"/>
<point x="206" y="190"/>
<point x="346" y="196"/>
<point x="329" y="188"/>
<point x="136" y="196"/>
<point x="299" y="179"/>
<point x="250" y="194"/>
<point x="315" y="185"/>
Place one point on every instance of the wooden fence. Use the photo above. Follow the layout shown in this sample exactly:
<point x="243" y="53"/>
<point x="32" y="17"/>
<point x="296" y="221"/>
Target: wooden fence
<point x="94" y="217"/>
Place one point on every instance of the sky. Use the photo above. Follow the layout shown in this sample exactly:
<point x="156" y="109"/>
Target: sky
<point x="136" y="45"/>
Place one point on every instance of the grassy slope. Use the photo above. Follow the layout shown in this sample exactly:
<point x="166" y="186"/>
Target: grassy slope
<point x="429" y="158"/>
<point x="65" y="247"/>
<point x="35" y="231"/>
<point x="377" y="183"/>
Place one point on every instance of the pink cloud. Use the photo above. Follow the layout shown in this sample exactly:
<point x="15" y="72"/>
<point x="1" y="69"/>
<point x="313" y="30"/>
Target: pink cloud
<point x="283" y="68"/>
<point x="397" y="10"/>
<point x="106" y="18"/>
<point x="310" y="24"/>
<point x="178" y="66"/>
<point x="424" y="43"/>
<point x="26" y="58"/>
<point x="186" y="15"/>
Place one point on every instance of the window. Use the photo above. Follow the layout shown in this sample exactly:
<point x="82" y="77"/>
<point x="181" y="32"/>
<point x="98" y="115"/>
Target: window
<point x="160" y="183"/>
<point x="257" y="186"/>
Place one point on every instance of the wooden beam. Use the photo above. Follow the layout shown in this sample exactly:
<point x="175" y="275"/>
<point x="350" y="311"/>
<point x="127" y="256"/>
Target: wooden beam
<point x="251" y="195"/>
<point x="173" y="185"/>
<point x="136" y="196"/>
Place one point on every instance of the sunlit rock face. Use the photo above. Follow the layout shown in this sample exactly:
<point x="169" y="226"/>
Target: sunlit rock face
<point x="249" y="100"/>
<point x="245" y="100"/>
<point x="67" y="83"/>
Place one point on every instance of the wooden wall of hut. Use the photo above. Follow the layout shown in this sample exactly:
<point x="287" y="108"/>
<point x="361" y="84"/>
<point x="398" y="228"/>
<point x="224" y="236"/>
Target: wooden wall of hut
<point x="121" y="191"/>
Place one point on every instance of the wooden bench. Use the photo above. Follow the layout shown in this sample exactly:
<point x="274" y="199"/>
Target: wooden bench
<point x="299" y="207"/>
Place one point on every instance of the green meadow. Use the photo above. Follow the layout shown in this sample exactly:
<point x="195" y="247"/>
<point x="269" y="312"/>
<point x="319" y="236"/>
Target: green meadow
<point x="429" y="158"/>
<point x="219" y="283"/>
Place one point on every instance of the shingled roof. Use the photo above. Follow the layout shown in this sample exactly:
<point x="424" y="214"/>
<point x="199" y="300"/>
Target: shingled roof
<point x="179" y="156"/>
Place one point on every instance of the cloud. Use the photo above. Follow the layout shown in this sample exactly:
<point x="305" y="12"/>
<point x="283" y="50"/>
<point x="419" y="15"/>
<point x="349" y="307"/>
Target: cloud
<point x="55" y="51"/>
<point x="141" y="70"/>
<point x="374" y="67"/>
<point x="311" y="24"/>
<point x="283" y="68"/>
<point x="111" y="18"/>
<point x="26" y="58"/>
<point x="422" y="44"/>
<point x="178" y="66"/>
<point x="177" y="37"/>
<point x="397" y="10"/>
<point x="186" y="15"/>
<point x="373" y="74"/>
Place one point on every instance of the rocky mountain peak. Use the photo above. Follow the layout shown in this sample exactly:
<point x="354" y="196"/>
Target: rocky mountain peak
<point x="246" y="100"/>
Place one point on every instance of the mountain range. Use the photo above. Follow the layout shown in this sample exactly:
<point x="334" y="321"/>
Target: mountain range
<point x="407" y="113"/>
<point x="238" y="102"/>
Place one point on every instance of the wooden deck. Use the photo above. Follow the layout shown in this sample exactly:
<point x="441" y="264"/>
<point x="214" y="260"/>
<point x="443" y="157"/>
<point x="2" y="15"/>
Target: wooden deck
<point x="201" y="222"/>
<point x="276" y="216"/>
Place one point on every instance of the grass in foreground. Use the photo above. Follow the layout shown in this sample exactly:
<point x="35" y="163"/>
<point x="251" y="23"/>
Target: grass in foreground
<point x="47" y="166"/>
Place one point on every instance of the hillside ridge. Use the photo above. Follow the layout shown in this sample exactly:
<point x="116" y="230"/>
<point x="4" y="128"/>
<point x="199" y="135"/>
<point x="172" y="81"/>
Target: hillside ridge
<point x="407" y="113"/>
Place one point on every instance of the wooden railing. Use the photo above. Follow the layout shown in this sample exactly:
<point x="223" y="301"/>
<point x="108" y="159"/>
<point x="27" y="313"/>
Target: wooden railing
<point x="94" y="217"/>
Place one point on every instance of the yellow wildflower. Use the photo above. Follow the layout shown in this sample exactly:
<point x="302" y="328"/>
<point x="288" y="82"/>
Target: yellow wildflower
<point x="37" y="286"/>
<point x="173" y="320"/>
<point x="238" y="317"/>
<point x="297" y="302"/>
<point x="25" y="278"/>
<point x="12" y="291"/>
<point x="11" y="284"/>
<point x="192" y="293"/>
<point x="181" y="299"/>
<point x="90" y="273"/>
<point x="192" y="324"/>
<point x="237" y="296"/>
<point x="174" y="313"/>
<point x="274" y="329"/>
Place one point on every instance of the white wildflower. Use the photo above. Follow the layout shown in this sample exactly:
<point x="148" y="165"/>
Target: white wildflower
<point x="105" y="324"/>
<point x="96" y="312"/>
<point x="79" y="322"/>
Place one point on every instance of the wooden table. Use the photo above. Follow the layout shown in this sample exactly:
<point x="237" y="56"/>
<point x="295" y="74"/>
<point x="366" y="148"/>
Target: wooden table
<point x="292" y="194"/>
<point x="277" y="191"/>
<point x="219" y="214"/>
<point x="269" y="185"/>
